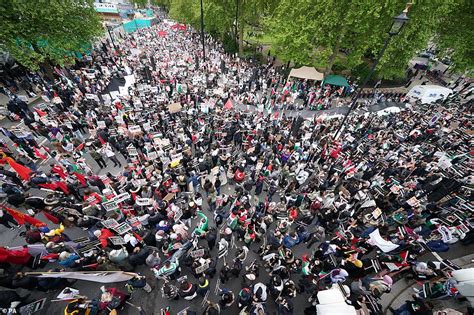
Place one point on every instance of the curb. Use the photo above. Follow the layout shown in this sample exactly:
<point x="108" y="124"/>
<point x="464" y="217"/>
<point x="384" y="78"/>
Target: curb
<point x="409" y="286"/>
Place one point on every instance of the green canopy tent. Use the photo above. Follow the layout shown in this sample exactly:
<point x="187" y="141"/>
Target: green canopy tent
<point x="337" y="80"/>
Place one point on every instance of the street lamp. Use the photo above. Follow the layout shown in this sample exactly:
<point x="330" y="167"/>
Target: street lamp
<point x="110" y="35"/>
<point x="398" y="22"/>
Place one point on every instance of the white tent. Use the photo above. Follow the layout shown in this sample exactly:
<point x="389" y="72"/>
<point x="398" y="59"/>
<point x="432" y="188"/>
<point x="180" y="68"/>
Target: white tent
<point x="429" y="93"/>
<point x="465" y="283"/>
<point x="304" y="72"/>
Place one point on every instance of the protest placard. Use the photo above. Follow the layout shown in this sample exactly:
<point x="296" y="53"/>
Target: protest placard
<point x="202" y="268"/>
<point x="32" y="307"/>
<point x="146" y="126"/>
<point x="152" y="156"/>
<point x="178" y="214"/>
<point x="197" y="253"/>
<point x="143" y="201"/>
<point x="117" y="240"/>
<point x="132" y="150"/>
<point x="134" y="222"/>
<point x="123" y="228"/>
<point x="122" y="197"/>
<point x="134" y="129"/>
<point x="110" y="223"/>
<point x="101" y="124"/>
<point x="110" y="205"/>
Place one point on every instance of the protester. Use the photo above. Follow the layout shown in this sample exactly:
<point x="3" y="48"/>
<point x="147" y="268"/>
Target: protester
<point x="297" y="208"/>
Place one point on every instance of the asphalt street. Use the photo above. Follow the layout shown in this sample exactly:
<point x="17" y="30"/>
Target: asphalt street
<point x="153" y="302"/>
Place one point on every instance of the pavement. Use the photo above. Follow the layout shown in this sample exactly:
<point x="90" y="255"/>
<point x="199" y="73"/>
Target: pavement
<point x="153" y="302"/>
<point x="402" y="290"/>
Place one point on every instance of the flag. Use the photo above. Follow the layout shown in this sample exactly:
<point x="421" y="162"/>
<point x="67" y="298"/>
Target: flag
<point x="22" y="218"/>
<point x="80" y="147"/>
<point x="40" y="112"/>
<point x="55" y="186"/>
<point x="138" y="237"/>
<point x="384" y="245"/>
<point x="100" y="276"/>
<point x="52" y="256"/>
<point x="51" y="217"/>
<point x="228" y="104"/>
<point x="162" y="33"/>
<point x="63" y="187"/>
<point x="16" y="257"/>
<point x="59" y="170"/>
<point x="81" y="179"/>
<point x="38" y="154"/>
<point x="23" y="171"/>
<point x="51" y="186"/>
<point x="101" y="140"/>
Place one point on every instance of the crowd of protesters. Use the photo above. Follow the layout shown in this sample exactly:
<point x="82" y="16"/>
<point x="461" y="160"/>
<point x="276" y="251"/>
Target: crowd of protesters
<point x="204" y="188"/>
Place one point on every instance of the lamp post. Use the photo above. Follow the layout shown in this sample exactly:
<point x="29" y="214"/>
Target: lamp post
<point x="202" y="33"/>
<point x="398" y="22"/>
<point x="111" y="37"/>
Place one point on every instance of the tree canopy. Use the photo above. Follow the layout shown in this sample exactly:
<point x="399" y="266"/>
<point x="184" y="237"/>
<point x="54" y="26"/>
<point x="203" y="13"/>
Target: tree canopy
<point x="454" y="35"/>
<point x="50" y="31"/>
<point x="224" y="19"/>
<point x="141" y="4"/>
<point x="350" y="33"/>
<point x="342" y="35"/>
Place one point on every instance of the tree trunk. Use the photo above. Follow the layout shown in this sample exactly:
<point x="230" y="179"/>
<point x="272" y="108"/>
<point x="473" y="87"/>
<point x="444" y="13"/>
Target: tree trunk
<point x="335" y="51"/>
<point x="241" y="39"/>
<point x="48" y="70"/>
<point x="337" y="45"/>
<point x="46" y="65"/>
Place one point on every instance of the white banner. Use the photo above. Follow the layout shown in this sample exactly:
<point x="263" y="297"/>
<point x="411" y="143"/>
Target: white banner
<point x="102" y="277"/>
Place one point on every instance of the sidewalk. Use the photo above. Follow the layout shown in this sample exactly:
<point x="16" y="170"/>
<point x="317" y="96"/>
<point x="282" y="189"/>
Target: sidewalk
<point x="402" y="291"/>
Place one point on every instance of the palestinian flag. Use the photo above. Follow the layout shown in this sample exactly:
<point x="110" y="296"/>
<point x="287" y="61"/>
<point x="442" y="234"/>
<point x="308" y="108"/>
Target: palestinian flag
<point x="22" y="171"/>
<point x="22" y="218"/>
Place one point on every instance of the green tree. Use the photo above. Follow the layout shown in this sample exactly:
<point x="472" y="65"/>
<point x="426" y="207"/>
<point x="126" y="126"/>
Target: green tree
<point x="315" y="32"/>
<point x="223" y="19"/>
<point x="45" y="32"/>
<point x="161" y="3"/>
<point x="141" y="4"/>
<point x="455" y="34"/>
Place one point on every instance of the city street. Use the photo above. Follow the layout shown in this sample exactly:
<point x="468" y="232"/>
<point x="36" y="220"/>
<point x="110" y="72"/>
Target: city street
<point x="255" y="158"/>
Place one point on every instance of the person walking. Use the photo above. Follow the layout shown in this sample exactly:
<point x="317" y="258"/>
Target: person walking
<point x="203" y="286"/>
<point x="217" y="185"/>
<point x="138" y="282"/>
<point x="98" y="158"/>
<point x="111" y="155"/>
<point x="211" y="237"/>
